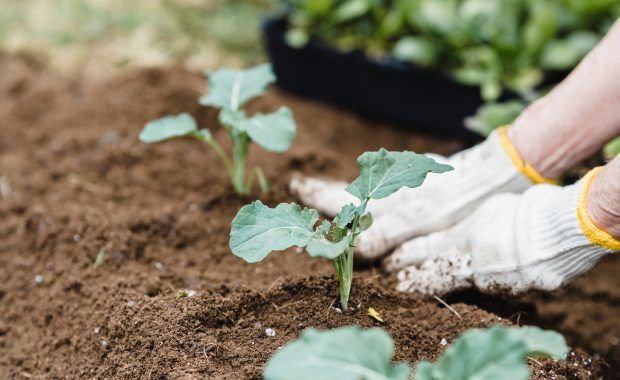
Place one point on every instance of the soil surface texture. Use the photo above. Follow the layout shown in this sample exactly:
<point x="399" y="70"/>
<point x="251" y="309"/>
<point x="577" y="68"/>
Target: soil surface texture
<point x="75" y="181"/>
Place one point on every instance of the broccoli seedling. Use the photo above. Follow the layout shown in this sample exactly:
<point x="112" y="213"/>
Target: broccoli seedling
<point x="350" y="352"/>
<point x="230" y="90"/>
<point x="258" y="229"/>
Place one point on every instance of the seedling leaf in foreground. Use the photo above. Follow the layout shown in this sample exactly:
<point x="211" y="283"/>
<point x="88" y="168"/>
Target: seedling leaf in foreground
<point x="348" y="353"/>
<point x="495" y="353"/>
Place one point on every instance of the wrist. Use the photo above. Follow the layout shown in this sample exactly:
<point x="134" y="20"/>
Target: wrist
<point x="604" y="194"/>
<point x="521" y="164"/>
<point x="595" y="234"/>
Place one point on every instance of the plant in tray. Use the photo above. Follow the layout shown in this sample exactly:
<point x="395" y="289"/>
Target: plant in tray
<point x="230" y="90"/>
<point x="258" y="229"/>
<point x="495" y="45"/>
<point x="352" y="353"/>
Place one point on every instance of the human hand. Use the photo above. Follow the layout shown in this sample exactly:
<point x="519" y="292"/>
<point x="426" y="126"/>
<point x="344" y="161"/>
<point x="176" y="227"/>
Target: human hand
<point x="541" y="239"/>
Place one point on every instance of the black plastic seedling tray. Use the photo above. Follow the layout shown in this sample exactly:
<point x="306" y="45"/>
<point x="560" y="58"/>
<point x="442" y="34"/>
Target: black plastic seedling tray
<point x="386" y="90"/>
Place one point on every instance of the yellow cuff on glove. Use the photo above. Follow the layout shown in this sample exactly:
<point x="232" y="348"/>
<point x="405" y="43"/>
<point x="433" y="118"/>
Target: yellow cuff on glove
<point x="518" y="162"/>
<point x="592" y="231"/>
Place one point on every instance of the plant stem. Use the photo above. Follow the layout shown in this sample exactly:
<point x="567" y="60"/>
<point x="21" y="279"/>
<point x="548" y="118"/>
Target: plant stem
<point x="240" y="151"/>
<point x="346" y="271"/>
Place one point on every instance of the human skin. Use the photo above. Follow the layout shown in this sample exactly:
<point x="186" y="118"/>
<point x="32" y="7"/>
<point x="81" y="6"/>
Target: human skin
<point x="573" y="122"/>
<point x="604" y="199"/>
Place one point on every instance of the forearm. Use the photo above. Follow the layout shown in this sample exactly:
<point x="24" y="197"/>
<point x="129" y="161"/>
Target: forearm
<point x="578" y="117"/>
<point x="604" y="199"/>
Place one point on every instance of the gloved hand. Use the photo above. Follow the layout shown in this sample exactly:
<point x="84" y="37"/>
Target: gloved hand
<point x="541" y="239"/>
<point x="492" y="167"/>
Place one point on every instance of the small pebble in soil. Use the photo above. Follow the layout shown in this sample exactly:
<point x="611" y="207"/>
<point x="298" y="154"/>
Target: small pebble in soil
<point x="270" y="332"/>
<point x="443" y="342"/>
<point x="159" y="266"/>
<point x="191" y="293"/>
<point x="97" y="330"/>
<point x="38" y="279"/>
<point x="104" y="343"/>
<point x="130" y="303"/>
<point x="338" y="309"/>
<point x="613" y="341"/>
<point x="77" y="238"/>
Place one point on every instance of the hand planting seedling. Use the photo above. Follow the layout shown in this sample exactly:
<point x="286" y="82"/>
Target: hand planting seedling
<point x="229" y="90"/>
<point x="352" y="353"/>
<point x="258" y="229"/>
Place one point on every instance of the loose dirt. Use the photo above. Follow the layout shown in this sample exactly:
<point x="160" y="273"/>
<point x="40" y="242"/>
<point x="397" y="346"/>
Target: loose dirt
<point x="74" y="179"/>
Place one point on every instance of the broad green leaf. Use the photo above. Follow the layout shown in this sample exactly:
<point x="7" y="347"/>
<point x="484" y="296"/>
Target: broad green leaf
<point x="258" y="229"/>
<point x="418" y="50"/>
<point x="274" y="132"/>
<point x="366" y="221"/>
<point x="566" y="54"/>
<point x="231" y="89"/>
<point x="229" y="118"/>
<point x="345" y="216"/>
<point x="612" y="149"/>
<point x="346" y="353"/>
<point x="494" y="353"/>
<point x="351" y="9"/>
<point x="492" y="115"/>
<point x="297" y="37"/>
<point x="320" y="246"/>
<point x="168" y="127"/>
<point x="383" y="173"/>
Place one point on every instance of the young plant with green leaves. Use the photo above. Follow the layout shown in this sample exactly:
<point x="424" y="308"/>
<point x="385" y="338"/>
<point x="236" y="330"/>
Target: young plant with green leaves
<point x="258" y="229"/>
<point x="350" y="353"/>
<point x="230" y="90"/>
<point x="495" y="45"/>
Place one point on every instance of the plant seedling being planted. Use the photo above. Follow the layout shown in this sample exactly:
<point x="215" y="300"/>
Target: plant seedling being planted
<point x="258" y="230"/>
<point x="230" y="90"/>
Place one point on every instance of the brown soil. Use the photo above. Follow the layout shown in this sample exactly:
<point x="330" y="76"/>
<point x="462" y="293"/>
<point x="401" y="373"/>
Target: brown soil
<point x="74" y="179"/>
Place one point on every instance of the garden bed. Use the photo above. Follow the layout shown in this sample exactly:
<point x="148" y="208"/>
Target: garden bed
<point x="74" y="179"/>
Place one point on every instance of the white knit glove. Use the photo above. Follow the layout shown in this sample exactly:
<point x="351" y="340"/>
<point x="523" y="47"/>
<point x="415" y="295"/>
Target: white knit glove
<point x="541" y="239"/>
<point x="489" y="168"/>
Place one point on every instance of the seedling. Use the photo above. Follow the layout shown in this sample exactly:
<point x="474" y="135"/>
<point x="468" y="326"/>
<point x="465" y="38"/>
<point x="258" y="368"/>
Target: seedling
<point x="352" y="353"/>
<point x="230" y="90"/>
<point x="258" y="230"/>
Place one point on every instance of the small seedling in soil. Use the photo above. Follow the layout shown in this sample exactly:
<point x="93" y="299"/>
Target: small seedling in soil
<point x="353" y="353"/>
<point x="230" y="90"/>
<point x="258" y="229"/>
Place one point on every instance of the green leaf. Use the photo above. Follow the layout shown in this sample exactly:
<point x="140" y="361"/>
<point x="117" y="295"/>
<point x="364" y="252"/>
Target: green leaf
<point x="203" y="134"/>
<point x="366" y="221"/>
<point x="494" y="353"/>
<point x="612" y="149"/>
<point x="297" y="37"/>
<point x="258" y="229"/>
<point x="347" y="353"/>
<point x="566" y="54"/>
<point x="231" y="89"/>
<point x="418" y="50"/>
<point x="492" y="115"/>
<point x="383" y="173"/>
<point x="168" y="127"/>
<point x="274" y="132"/>
<point x="351" y="9"/>
<point x="320" y="246"/>
<point x="345" y="216"/>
